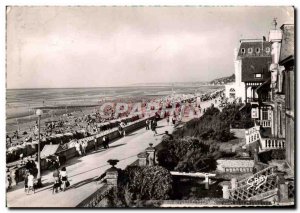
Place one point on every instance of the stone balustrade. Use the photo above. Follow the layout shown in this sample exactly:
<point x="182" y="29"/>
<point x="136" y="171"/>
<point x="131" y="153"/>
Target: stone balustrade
<point x="272" y="143"/>
<point x="264" y="123"/>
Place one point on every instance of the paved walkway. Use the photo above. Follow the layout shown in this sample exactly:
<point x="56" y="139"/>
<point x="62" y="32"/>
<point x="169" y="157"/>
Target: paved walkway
<point x="83" y="170"/>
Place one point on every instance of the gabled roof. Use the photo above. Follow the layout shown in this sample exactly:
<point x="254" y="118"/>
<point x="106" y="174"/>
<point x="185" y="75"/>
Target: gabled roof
<point x="287" y="46"/>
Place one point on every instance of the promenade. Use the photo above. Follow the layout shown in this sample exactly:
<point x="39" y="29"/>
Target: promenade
<point x="82" y="171"/>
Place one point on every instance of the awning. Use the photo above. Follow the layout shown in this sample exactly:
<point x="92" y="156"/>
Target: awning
<point x="50" y="150"/>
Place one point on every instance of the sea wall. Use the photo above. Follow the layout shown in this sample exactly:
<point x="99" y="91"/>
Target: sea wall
<point x="17" y="173"/>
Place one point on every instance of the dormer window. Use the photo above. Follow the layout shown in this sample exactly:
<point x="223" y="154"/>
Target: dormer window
<point x="257" y="50"/>
<point x="250" y="50"/>
<point x="243" y="51"/>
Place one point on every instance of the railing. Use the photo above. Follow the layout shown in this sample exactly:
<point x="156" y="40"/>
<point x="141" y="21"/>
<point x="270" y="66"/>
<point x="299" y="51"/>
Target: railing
<point x="264" y="123"/>
<point x="252" y="134"/>
<point x="272" y="143"/>
<point x="94" y="199"/>
<point x="246" y="192"/>
<point x="291" y="189"/>
<point x="238" y="169"/>
<point x="252" y="100"/>
<point x="265" y="172"/>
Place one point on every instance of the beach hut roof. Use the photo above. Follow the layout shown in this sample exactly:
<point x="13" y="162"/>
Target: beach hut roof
<point x="50" y="150"/>
<point x="68" y="134"/>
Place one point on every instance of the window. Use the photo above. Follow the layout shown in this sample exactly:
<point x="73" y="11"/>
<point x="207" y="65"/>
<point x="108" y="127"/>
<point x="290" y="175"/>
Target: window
<point x="264" y="114"/>
<point x="257" y="50"/>
<point x="243" y="50"/>
<point x="257" y="75"/>
<point x="250" y="50"/>
<point x="267" y="49"/>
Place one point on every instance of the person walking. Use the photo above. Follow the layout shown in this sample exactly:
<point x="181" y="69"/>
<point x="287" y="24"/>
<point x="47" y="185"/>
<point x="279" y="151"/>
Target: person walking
<point x="77" y="146"/>
<point x="57" y="182"/>
<point x="30" y="183"/>
<point x="153" y="126"/>
<point x="173" y="121"/>
<point x="105" y="142"/>
<point x="8" y="182"/>
<point x="147" y="124"/>
<point x="95" y="143"/>
<point x="64" y="178"/>
<point x="26" y="180"/>
<point x="83" y="145"/>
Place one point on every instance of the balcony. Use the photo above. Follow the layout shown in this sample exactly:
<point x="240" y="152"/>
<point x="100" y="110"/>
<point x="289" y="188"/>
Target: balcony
<point x="264" y="123"/>
<point x="252" y="100"/>
<point x="272" y="143"/>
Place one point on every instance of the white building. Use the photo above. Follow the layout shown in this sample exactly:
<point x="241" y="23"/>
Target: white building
<point x="236" y="90"/>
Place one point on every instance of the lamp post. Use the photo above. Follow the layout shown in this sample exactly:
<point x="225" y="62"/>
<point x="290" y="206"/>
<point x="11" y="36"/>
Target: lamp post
<point x="39" y="113"/>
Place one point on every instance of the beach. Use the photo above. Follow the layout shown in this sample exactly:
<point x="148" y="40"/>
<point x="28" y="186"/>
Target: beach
<point x="21" y="104"/>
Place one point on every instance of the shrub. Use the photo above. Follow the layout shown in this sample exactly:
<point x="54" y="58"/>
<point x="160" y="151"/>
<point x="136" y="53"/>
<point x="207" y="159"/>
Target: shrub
<point x="144" y="183"/>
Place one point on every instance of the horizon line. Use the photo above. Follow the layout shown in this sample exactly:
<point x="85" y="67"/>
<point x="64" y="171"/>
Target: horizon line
<point x="130" y="85"/>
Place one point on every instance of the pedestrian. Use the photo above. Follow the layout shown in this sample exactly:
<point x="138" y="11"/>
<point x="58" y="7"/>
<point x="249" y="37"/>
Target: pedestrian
<point x="83" y="147"/>
<point x="64" y="178"/>
<point x="95" y="143"/>
<point x="105" y="142"/>
<point x="120" y="129"/>
<point x="77" y="146"/>
<point x="56" y="180"/>
<point x="153" y="126"/>
<point x="147" y="124"/>
<point x="173" y="121"/>
<point x="30" y="183"/>
<point x="168" y="120"/>
<point x="26" y="180"/>
<point x="8" y="181"/>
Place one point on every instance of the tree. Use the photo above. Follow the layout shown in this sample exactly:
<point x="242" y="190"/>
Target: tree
<point x="144" y="183"/>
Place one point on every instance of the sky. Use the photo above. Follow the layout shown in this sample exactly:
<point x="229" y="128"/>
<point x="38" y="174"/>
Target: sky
<point x="61" y="47"/>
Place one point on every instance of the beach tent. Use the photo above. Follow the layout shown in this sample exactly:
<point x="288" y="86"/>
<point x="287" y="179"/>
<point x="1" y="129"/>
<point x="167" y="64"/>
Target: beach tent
<point x="49" y="150"/>
<point x="68" y="134"/>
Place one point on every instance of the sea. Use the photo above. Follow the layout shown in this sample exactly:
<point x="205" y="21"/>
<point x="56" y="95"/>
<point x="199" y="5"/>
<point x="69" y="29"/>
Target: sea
<point x="21" y="103"/>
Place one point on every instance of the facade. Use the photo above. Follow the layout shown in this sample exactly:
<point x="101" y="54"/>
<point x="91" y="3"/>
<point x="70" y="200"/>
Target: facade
<point x="255" y="57"/>
<point x="236" y="90"/>
<point x="286" y="61"/>
<point x="272" y="101"/>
